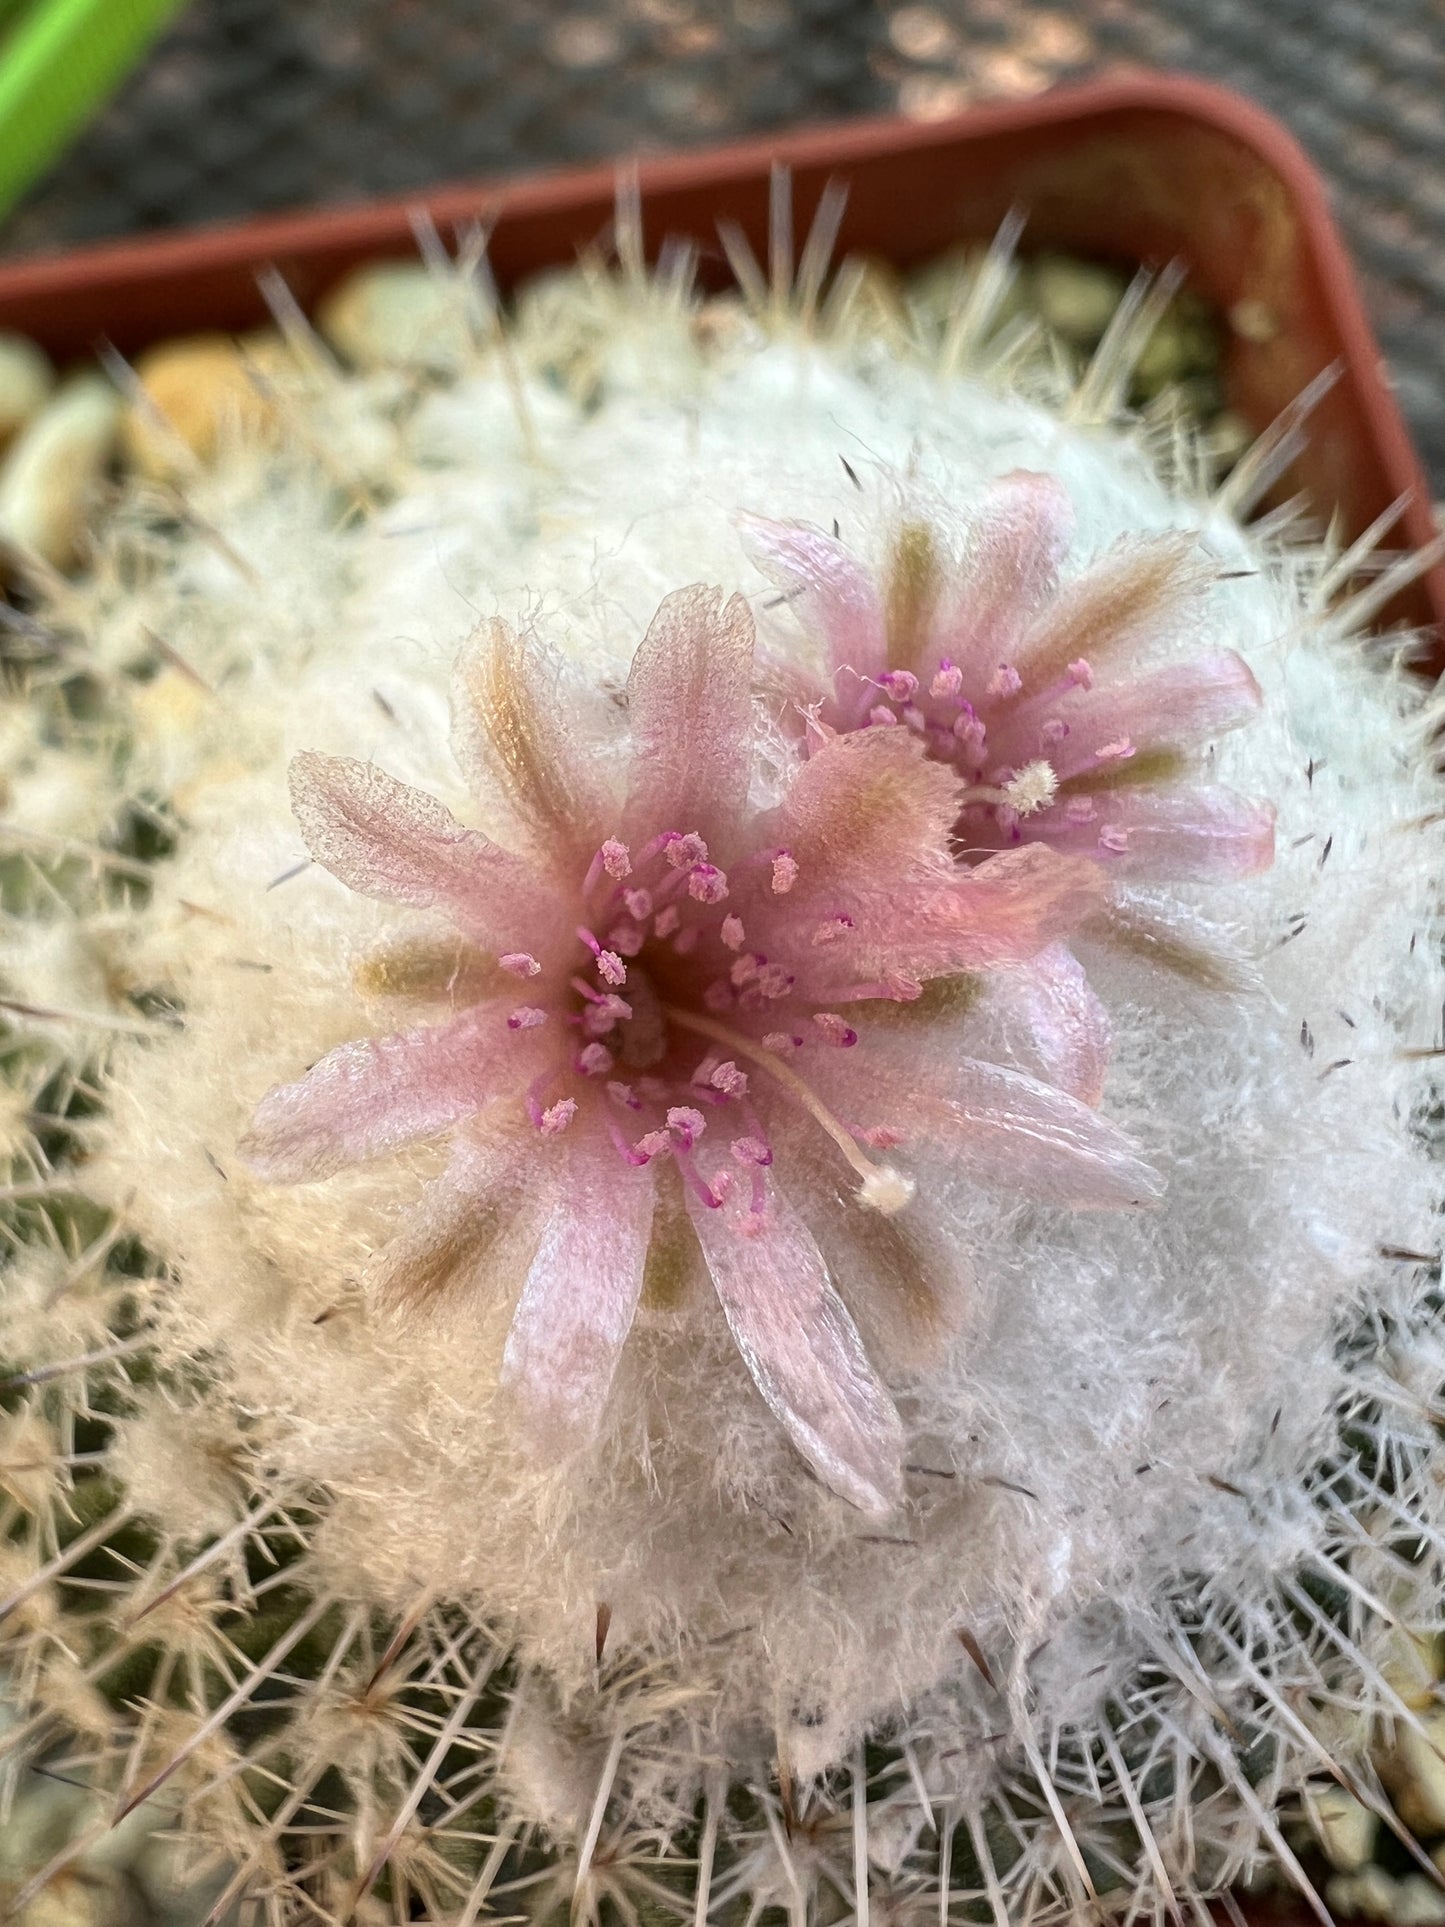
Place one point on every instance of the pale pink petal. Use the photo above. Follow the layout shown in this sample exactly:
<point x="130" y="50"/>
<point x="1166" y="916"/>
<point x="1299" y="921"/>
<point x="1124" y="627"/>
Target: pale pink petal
<point x="578" y="1302"/>
<point x="1139" y="594"/>
<point x="831" y="593"/>
<point x="1002" y="912"/>
<point x="1015" y="1131"/>
<point x="865" y="806"/>
<point x="1011" y="563"/>
<point x="447" y="1244"/>
<point x="1179" y="706"/>
<point x="802" y="1348"/>
<point x="1204" y="834"/>
<point x="999" y="1125"/>
<point x="528" y="732"/>
<point x="1141" y="933"/>
<point x="689" y="705"/>
<point x="399" y="845"/>
<point x="1044" y="1018"/>
<point x="907" y="1280"/>
<point x="378" y="1093"/>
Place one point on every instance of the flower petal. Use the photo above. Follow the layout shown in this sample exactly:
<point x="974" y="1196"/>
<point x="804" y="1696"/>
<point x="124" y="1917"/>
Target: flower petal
<point x="908" y="1280"/>
<point x="448" y="1242"/>
<point x="376" y="1094"/>
<point x="1002" y="912"/>
<point x="517" y="729"/>
<point x="1204" y="834"/>
<point x="1000" y="1126"/>
<point x="866" y="807"/>
<point x="1187" y="703"/>
<point x="1015" y="547"/>
<point x="1151" y="932"/>
<point x="830" y="591"/>
<point x="397" y="844"/>
<point x="1013" y="1130"/>
<point x="1139" y="592"/>
<point x="1044" y="1017"/>
<point x="802" y="1348"/>
<point x="580" y="1296"/>
<point x="689" y="702"/>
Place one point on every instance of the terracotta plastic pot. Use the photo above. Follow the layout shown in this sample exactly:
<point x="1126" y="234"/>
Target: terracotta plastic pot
<point x="1138" y="167"/>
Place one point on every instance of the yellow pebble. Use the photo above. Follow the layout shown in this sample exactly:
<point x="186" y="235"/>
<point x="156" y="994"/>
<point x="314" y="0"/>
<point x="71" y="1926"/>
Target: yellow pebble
<point x="26" y="379"/>
<point x="53" y="468"/>
<point x="1346" y="1829"/>
<point x="206" y="394"/>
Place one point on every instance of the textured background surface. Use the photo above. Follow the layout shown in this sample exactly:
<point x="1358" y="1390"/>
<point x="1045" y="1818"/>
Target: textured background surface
<point x="261" y="104"/>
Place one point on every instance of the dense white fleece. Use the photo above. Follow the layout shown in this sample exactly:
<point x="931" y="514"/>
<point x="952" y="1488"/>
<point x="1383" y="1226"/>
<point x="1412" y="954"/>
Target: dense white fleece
<point x="1140" y="1402"/>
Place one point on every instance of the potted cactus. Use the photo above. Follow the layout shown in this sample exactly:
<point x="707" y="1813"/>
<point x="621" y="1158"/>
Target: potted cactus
<point x="723" y="1032"/>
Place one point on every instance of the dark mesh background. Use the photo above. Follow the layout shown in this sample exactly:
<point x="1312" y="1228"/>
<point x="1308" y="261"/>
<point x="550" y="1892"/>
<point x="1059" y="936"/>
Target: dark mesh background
<point x="261" y="104"/>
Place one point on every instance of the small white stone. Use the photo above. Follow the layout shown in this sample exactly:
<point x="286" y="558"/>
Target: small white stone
<point x="26" y="379"/>
<point x="1422" y="1768"/>
<point x="1346" y="1829"/>
<point x="396" y="314"/>
<point x="52" y="471"/>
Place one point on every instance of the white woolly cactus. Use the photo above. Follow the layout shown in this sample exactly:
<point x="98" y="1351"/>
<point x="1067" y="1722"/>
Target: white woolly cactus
<point x="723" y="1021"/>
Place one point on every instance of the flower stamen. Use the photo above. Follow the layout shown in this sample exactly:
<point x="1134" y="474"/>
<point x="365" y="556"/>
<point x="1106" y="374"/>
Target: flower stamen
<point x="883" y="1188"/>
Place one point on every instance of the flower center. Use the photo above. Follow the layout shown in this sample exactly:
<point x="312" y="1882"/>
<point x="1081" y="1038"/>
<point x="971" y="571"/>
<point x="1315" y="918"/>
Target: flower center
<point x="1004" y="789"/>
<point x="665" y="965"/>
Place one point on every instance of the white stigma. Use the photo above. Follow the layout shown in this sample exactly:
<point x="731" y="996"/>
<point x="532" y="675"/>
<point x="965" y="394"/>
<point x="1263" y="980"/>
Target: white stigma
<point x="1033" y="787"/>
<point x="886" y="1190"/>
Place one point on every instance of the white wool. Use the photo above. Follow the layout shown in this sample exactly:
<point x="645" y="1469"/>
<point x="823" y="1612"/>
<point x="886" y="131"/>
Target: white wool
<point x="1132" y="1421"/>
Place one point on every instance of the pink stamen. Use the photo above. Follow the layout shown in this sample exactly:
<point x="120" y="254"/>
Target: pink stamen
<point x="526" y="1017"/>
<point x="1114" y="840"/>
<point x="900" y="684"/>
<point x="833" y="1030"/>
<point x="947" y="685"/>
<point x="1005" y="681"/>
<point x="687" y="1124"/>
<point x="616" y="859"/>
<point x="666" y="921"/>
<point x="1115" y="752"/>
<point x="555" y="1119"/>
<point x="721" y="1185"/>
<point x="785" y="873"/>
<point x="605" y="1015"/>
<point x="683" y="852"/>
<point x="1053" y="731"/>
<point x="883" y="716"/>
<point x="639" y="904"/>
<point x="610" y="967"/>
<point x="727" y="1078"/>
<point x="624" y="1095"/>
<point x="520" y="963"/>
<point x="1080" y="810"/>
<point x="595" y="1060"/>
<point x="751" y="1150"/>
<point x="832" y="930"/>
<point x="627" y="940"/>
<point x="706" y="883"/>
<point x="655" y="1144"/>
<point x="1081" y="674"/>
<point x="782" y="1042"/>
<point x="773" y="981"/>
<point x="732" y="932"/>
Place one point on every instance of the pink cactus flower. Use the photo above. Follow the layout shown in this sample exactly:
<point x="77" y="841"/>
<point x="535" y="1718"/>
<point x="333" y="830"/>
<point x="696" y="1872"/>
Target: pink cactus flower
<point x="676" y="1015"/>
<point x="1039" y="692"/>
